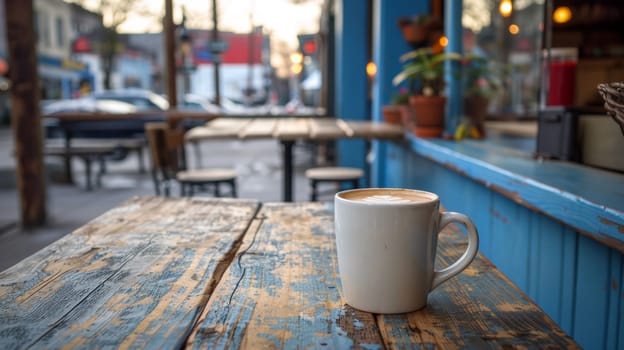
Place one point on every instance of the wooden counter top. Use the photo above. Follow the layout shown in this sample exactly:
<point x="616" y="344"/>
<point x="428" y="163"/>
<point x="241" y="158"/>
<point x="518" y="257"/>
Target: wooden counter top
<point x="587" y="199"/>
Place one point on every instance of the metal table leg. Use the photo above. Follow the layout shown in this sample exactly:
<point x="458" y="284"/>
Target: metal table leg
<point x="69" y="177"/>
<point x="287" y="161"/>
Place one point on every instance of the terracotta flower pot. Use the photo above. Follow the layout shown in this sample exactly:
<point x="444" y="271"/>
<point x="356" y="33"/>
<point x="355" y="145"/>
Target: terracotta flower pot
<point x="420" y="34"/>
<point x="415" y="35"/>
<point x="407" y="116"/>
<point x="475" y="109"/>
<point x="428" y="115"/>
<point x="391" y="114"/>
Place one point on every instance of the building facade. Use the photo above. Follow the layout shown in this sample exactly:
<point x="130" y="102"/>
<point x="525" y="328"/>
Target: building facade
<point x="244" y="65"/>
<point x="60" y="74"/>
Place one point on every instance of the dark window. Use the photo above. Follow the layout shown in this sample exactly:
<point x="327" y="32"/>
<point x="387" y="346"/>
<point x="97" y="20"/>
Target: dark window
<point x="60" y="32"/>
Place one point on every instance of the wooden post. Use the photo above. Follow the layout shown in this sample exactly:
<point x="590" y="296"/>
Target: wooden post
<point x="25" y="111"/>
<point x="453" y="31"/>
<point x="388" y="46"/>
<point x="216" y="55"/>
<point x="170" y="68"/>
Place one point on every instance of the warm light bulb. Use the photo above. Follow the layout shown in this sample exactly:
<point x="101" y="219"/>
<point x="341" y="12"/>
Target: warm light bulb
<point x="443" y="41"/>
<point x="296" y="68"/>
<point x="562" y="14"/>
<point x="371" y="69"/>
<point x="296" y="58"/>
<point x="186" y="48"/>
<point x="505" y="8"/>
<point x="514" y="29"/>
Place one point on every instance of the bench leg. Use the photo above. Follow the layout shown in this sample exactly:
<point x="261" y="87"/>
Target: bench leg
<point x="156" y="182"/>
<point x="217" y="191"/>
<point x="190" y="192"/>
<point x="167" y="187"/>
<point x="98" y="179"/>
<point x="87" y="163"/>
<point x="141" y="162"/>
<point x="67" y="161"/>
<point x="233" y="185"/>
<point x="313" y="190"/>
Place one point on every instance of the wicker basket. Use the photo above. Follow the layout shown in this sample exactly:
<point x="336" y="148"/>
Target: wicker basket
<point x="613" y="95"/>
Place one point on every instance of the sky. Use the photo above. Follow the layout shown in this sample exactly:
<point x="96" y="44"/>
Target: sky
<point x="282" y="19"/>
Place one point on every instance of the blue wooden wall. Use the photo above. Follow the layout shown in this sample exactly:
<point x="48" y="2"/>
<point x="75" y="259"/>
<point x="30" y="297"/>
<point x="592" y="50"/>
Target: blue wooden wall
<point x="388" y="46"/>
<point x="356" y="97"/>
<point x="352" y="47"/>
<point x="575" y="279"/>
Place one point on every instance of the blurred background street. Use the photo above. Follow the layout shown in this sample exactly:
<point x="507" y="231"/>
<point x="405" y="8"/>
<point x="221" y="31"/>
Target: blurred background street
<point x="71" y="206"/>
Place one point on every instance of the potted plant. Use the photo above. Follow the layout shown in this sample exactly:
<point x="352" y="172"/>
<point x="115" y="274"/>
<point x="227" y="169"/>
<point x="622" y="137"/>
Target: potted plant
<point x="393" y="113"/>
<point x="480" y="84"/>
<point x="425" y="67"/>
<point x="420" y="30"/>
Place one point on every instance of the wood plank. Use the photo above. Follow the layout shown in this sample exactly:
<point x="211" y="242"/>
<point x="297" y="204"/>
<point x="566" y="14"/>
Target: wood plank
<point x="374" y="130"/>
<point x="259" y="128"/>
<point x="218" y="129"/>
<point x="136" y="276"/>
<point x="345" y="127"/>
<point x="282" y="290"/>
<point x="201" y="133"/>
<point x="591" y="309"/>
<point x="229" y="123"/>
<point x="480" y="308"/>
<point x="549" y="238"/>
<point x="325" y="129"/>
<point x="514" y="128"/>
<point x="292" y="129"/>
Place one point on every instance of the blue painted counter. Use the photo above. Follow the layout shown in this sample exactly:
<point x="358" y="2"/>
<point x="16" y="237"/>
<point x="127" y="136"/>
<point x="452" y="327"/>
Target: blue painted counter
<point x="554" y="228"/>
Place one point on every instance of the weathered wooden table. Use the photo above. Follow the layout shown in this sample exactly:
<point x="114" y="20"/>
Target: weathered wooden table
<point x="289" y="130"/>
<point x="195" y="273"/>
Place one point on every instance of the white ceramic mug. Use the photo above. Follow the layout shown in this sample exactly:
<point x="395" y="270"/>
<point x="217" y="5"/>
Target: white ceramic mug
<point x="386" y="241"/>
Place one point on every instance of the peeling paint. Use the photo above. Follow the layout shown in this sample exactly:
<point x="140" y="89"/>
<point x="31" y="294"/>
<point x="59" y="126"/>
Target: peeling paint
<point x="620" y="228"/>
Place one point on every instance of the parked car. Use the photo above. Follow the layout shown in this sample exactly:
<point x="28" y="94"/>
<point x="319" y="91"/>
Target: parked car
<point x="199" y="103"/>
<point x="141" y="99"/>
<point x="230" y="106"/>
<point x="86" y="104"/>
<point x="125" y="128"/>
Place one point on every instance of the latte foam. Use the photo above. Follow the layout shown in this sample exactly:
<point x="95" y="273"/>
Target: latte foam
<point x="387" y="196"/>
<point x="386" y="199"/>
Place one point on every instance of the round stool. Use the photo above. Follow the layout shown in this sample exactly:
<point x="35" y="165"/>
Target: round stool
<point x="332" y="174"/>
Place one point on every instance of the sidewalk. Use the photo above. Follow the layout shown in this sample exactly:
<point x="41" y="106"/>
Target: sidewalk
<point x="258" y="164"/>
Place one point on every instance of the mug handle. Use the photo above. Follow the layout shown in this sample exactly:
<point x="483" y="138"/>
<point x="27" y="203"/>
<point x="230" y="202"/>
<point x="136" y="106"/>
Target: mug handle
<point x="473" y="247"/>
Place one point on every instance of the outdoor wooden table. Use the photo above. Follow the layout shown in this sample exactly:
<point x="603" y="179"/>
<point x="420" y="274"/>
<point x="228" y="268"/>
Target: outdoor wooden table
<point x="230" y="273"/>
<point x="288" y="130"/>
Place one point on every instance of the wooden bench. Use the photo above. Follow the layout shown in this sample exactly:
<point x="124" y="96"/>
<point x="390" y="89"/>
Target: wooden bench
<point x="98" y="150"/>
<point x="87" y="154"/>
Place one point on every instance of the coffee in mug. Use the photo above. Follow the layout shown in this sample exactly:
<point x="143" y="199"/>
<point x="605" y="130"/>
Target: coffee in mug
<point x="386" y="241"/>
